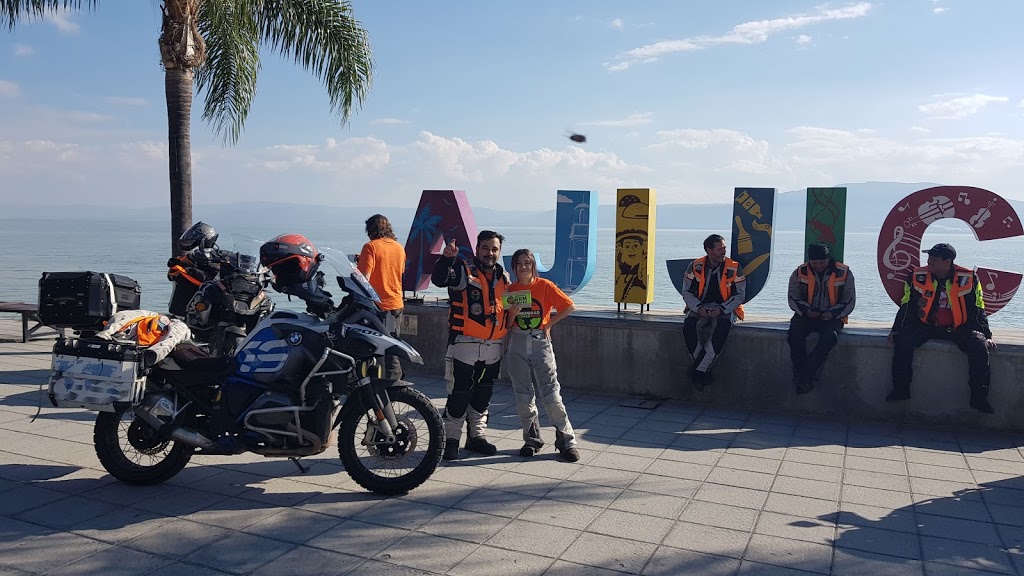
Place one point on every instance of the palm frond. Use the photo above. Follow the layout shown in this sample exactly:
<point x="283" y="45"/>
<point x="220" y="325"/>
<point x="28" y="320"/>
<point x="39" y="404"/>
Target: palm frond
<point x="325" y="38"/>
<point x="228" y="76"/>
<point x="14" y="11"/>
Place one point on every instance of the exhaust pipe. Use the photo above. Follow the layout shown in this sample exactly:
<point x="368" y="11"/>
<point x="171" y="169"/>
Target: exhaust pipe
<point x="157" y="405"/>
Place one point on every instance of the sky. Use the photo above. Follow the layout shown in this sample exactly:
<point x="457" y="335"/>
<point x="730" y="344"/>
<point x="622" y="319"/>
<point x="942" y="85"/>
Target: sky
<point x="689" y="98"/>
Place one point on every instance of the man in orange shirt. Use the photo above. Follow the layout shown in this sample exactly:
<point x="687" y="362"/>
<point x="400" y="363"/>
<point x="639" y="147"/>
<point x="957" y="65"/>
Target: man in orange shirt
<point x="382" y="261"/>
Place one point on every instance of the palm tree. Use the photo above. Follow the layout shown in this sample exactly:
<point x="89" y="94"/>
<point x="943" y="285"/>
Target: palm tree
<point x="214" y="44"/>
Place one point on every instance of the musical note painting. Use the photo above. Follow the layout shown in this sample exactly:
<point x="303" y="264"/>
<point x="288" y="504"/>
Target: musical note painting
<point x="989" y="216"/>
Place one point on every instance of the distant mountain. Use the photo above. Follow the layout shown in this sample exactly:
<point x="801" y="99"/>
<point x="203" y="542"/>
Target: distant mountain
<point x="867" y="205"/>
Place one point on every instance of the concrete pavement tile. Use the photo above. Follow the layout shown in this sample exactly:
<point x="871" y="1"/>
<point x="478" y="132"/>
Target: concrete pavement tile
<point x="899" y="520"/>
<point x="498" y="562"/>
<point x="942" y="488"/>
<point x="966" y="555"/>
<point x="679" y="487"/>
<point x="992" y="465"/>
<point x="811" y="457"/>
<point x="720" y="515"/>
<point x="1012" y="538"/>
<point x="958" y="529"/>
<point x="673" y="561"/>
<point x="563" y="568"/>
<point x="701" y="442"/>
<point x="358" y="538"/>
<point x="542" y="539"/>
<point x="935" y="569"/>
<point x="575" y="516"/>
<point x="11" y="571"/>
<point x="825" y="447"/>
<point x="506" y="504"/>
<point x="871" y="539"/>
<point x="240" y="553"/>
<point x="121" y="494"/>
<point x="606" y="419"/>
<point x="811" y="471"/>
<point x="796" y="527"/>
<point x="177" y="538"/>
<point x="46" y="552"/>
<point x="954" y="507"/>
<point x="858" y="563"/>
<point x="1006" y="515"/>
<point x="179" y="501"/>
<point x="27" y="497"/>
<point x="234" y="513"/>
<point x="609" y="553"/>
<point x="466" y="475"/>
<point x="629" y="446"/>
<point x="593" y="430"/>
<point x="303" y="561"/>
<point x="631" y="526"/>
<point x="998" y="480"/>
<point x="471" y="526"/>
<point x="876" y="497"/>
<point x="806" y="487"/>
<point x="528" y="484"/>
<point x="749" y="463"/>
<point x="121" y="525"/>
<point x="895" y="453"/>
<point x="731" y="495"/>
<point x="15" y="532"/>
<point x="1003" y="497"/>
<point x="430" y="492"/>
<point x="654" y="441"/>
<point x="293" y="525"/>
<point x="707" y="539"/>
<point x="808" y="436"/>
<point x="876" y="480"/>
<point x="801" y="506"/>
<point x="426" y="552"/>
<point x="377" y="568"/>
<point x="876" y="465"/>
<point x="78" y="482"/>
<point x="550" y="466"/>
<point x="283" y="492"/>
<point x="749" y="568"/>
<point x="406" y="514"/>
<point x="8" y="484"/>
<point x="744" y="447"/>
<point x="67" y="512"/>
<point x="1009" y="454"/>
<point x="701" y="457"/>
<point x="650" y="504"/>
<point x="670" y="426"/>
<point x="113" y="561"/>
<point x="604" y="476"/>
<point x="794" y="554"/>
<point x="581" y="493"/>
<point x="741" y="478"/>
<point x="948" y="459"/>
<point x="342" y="503"/>
<point x="621" y="462"/>
<point x="676" y="469"/>
<point x="218" y="481"/>
<point x="939" y="472"/>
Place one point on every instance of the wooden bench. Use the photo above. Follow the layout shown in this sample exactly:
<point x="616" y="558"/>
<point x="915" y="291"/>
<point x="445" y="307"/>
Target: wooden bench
<point x="29" y="313"/>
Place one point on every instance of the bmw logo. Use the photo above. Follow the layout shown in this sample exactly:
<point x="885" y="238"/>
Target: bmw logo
<point x="294" y="338"/>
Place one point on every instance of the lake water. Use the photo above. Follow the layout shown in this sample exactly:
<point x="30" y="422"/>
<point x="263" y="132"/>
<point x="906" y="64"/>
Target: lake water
<point x="140" y="250"/>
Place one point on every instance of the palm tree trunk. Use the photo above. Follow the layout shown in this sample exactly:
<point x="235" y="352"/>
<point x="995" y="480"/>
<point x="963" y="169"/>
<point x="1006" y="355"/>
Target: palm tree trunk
<point x="178" y="90"/>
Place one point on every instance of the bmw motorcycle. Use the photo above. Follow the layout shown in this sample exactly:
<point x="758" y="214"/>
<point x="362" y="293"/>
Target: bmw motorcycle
<point x="296" y="382"/>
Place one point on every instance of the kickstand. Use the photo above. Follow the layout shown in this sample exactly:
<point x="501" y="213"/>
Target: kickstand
<point x="302" y="468"/>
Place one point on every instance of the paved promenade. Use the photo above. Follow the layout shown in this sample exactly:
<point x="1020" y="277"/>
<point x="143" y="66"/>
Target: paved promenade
<point x="667" y="488"/>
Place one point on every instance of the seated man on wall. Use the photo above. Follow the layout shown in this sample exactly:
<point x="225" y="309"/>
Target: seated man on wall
<point x="942" y="300"/>
<point x="714" y="291"/>
<point x="822" y="295"/>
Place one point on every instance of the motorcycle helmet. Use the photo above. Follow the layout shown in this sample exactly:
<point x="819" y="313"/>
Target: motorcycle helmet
<point x="200" y="235"/>
<point x="291" y="258"/>
<point x="242" y="274"/>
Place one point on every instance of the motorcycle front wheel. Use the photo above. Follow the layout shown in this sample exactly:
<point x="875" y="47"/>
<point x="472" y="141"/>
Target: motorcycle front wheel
<point x="132" y="451"/>
<point x="390" y="468"/>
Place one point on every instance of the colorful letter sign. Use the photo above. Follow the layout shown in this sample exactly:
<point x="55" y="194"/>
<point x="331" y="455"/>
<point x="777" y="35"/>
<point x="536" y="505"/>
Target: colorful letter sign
<point x="634" y="246"/>
<point x="441" y="216"/>
<point x="990" y="217"/>
<point x="753" y="214"/>
<point x="826" y="219"/>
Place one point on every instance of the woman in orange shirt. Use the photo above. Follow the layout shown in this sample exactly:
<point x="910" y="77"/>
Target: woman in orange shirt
<point x="530" y="359"/>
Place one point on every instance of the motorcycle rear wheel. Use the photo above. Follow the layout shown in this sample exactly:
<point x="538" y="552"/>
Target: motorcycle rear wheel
<point x="390" y="469"/>
<point x="130" y="450"/>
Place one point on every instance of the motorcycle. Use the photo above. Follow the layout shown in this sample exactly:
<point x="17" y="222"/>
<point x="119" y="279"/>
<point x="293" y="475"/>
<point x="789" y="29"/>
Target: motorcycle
<point x="296" y="382"/>
<point x="227" y="308"/>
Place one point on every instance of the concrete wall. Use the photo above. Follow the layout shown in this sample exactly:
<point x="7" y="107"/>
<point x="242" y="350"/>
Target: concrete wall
<point x="644" y="355"/>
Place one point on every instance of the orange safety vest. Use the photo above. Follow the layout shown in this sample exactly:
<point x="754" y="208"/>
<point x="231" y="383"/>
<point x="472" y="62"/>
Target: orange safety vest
<point x="730" y="275"/>
<point x="957" y="290"/>
<point x="476" y="310"/>
<point x="835" y="283"/>
<point x="149" y="330"/>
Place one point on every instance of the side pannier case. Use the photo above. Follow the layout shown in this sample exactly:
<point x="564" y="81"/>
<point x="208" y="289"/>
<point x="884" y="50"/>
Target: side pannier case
<point x="96" y="374"/>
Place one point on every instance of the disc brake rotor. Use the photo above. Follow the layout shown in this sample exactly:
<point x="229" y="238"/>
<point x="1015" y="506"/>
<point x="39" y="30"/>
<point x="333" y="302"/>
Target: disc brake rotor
<point x="143" y="438"/>
<point x="405" y="440"/>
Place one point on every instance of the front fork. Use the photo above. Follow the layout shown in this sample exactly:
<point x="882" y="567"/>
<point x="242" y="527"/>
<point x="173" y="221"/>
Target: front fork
<point x="374" y="396"/>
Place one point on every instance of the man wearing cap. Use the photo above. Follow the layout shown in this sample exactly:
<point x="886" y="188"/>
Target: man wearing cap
<point x="714" y="290"/>
<point x="822" y="295"/>
<point x="942" y="300"/>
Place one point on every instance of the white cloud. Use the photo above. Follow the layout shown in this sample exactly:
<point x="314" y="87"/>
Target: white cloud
<point x="85" y="117"/>
<point x="1021" y="103"/>
<point x="635" y="119"/>
<point x="803" y="39"/>
<point x="126" y="101"/>
<point x="9" y="89"/>
<point x="959" y="106"/>
<point x="386" y="121"/>
<point x="23" y="50"/>
<point x="616" y="24"/>
<point x="920" y="130"/>
<point x="63" y="19"/>
<point x="753" y="32"/>
<point x="939" y="10"/>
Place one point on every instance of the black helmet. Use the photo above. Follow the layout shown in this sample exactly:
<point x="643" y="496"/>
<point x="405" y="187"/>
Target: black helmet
<point x="200" y="234"/>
